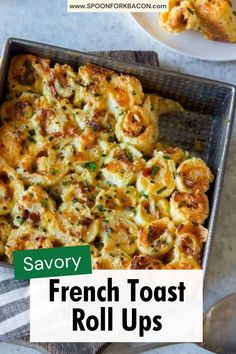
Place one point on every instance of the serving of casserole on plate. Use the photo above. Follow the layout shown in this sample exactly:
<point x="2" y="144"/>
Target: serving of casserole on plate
<point x="216" y="19"/>
<point x="82" y="163"/>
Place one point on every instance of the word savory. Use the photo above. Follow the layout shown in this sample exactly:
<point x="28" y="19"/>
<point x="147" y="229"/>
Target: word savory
<point x="59" y="263"/>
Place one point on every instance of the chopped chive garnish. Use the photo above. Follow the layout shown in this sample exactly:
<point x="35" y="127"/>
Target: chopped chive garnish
<point x="155" y="169"/>
<point x="19" y="219"/>
<point x="91" y="165"/>
<point x="100" y="207"/>
<point x="190" y="10"/>
<point x="144" y="194"/>
<point x="161" y="190"/>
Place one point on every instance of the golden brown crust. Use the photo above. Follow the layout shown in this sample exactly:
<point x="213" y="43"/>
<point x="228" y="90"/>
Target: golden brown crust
<point x="217" y="20"/>
<point x="82" y="166"/>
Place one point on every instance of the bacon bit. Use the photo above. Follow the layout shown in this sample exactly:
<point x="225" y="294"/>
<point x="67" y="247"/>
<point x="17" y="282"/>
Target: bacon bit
<point x="187" y="246"/>
<point x="52" y="88"/>
<point x="86" y="221"/>
<point x="145" y="262"/>
<point x="34" y="217"/>
<point x="42" y="153"/>
<point x="10" y="194"/>
<point x="52" y="79"/>
<point x="154" y="233"/>
<point x="147" y="171"/>
<point x="4" y="177"/>
<point x="43" y="113"/>
<point x="140" y="262"/>
<point x="180" y="227"/>
<point x="89" y="203"/>
<point x="189" y="183"/>
<point x="73" y="131"/>
<point x="26" y="214"/>
<point x="58" y="135"/>
<point x="95" y="126"/>
<point x="192" y="204"/>
<point x="182" y="20"/>
<point x="19" y="107"/>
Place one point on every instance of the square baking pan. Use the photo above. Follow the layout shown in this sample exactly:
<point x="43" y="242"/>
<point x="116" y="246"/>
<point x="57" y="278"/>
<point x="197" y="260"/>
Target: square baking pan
<point x="207" y="120"/>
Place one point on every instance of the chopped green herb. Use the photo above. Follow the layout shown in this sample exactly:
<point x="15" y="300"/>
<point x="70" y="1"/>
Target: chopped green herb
<point x="129" y="156"/>
<point x="66" y="183"/>
<point x="182" y="204"/>
<point x="112" y="139"/>
<point x="54" y="171"/>
<point x="44" y="203"/>
<point x="100" y="207"/>
<point x="19" y="219"/>
<point x="161" y="190"/>
<point x="31" y="139"/>
<point x="91" y="165"/>
<point x="190" y="10"/>
<point x="31" y="132"/>
<point x="74" y="200"/>
<point x="155" y="169"/>
<point x="166" y="157"/>
<point x="144" y="194"/>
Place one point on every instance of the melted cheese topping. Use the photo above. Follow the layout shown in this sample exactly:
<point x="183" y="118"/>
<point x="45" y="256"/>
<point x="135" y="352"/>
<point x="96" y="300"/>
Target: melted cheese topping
<point x="81" y="164"/>
<point x="193" y="174"/>
<point x="157" y="238"/>
<point x="157" y="177"/>
<point x="188" y="245"/>
<point x="186" y="207"/>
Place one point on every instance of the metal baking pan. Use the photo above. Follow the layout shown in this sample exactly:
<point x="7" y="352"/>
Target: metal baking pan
<point x="208" y="118"/>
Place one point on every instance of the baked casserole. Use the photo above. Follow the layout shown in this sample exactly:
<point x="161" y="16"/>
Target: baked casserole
<point x="81" y="163"/>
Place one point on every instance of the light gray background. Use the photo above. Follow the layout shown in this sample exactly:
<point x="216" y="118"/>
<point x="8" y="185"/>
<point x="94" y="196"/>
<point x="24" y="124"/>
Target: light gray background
<point x="48" y="21"/>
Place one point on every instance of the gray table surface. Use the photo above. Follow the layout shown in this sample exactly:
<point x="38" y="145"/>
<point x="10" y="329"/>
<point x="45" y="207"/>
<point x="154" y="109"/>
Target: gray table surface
<point x="47" y="21"/>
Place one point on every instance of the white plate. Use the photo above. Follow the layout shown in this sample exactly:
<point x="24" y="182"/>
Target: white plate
<point x="189" y="43"/>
